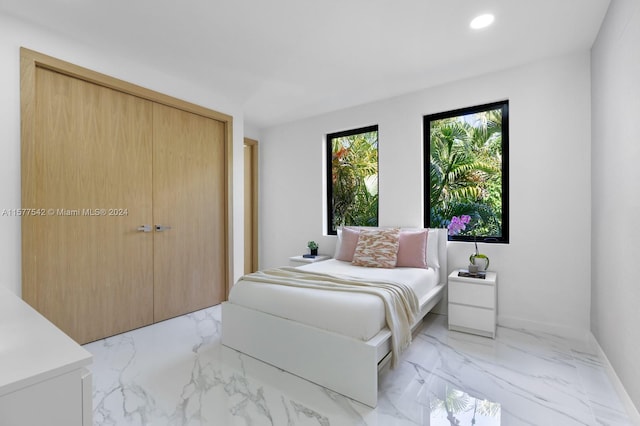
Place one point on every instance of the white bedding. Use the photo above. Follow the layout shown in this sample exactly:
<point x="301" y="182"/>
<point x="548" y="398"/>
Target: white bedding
<point x="360" y="316"/>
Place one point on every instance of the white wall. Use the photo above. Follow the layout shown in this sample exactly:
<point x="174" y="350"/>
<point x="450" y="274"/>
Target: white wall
<point x="251" y="132"/>
<point x="615" y="313"/>
<point x="544" y="273"/>
<point x="13" y="35"/>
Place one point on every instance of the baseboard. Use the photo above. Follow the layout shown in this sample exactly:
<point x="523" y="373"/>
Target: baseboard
<point x="555" y="329"/>
<point x="629" y="406"/>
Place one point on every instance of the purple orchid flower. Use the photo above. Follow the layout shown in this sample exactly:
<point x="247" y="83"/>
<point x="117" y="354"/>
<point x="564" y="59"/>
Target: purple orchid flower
<point x="458" y="224"/>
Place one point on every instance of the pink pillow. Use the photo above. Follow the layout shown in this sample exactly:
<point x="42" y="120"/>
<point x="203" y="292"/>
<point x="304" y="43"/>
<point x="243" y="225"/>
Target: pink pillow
<point x="412" y="249"/>
<point x="348" y="244"/>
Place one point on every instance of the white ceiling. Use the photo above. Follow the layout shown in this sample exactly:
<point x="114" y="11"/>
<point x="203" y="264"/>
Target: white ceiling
<point x="283" y="60"/>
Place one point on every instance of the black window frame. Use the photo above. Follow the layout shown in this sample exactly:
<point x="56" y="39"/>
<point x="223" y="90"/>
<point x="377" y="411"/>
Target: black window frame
<point x="329" y="169"/>
<point x="427" y="119"/>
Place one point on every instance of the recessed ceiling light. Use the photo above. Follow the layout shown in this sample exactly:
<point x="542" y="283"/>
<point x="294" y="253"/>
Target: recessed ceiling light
<point x="482" y="21"/>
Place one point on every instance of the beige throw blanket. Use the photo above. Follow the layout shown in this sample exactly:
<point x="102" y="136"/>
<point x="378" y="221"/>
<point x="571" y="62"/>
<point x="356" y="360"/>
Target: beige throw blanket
<point x="401" y="303"/>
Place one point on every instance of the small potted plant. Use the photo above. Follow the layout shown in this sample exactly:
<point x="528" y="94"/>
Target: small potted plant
<point x="479" y="259"/>
<point x="313" y="246"/>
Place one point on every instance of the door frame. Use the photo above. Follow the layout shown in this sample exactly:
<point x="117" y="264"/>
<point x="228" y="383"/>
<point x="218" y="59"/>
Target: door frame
<point x="252" y="144"/>
<point x="30" y="60"/>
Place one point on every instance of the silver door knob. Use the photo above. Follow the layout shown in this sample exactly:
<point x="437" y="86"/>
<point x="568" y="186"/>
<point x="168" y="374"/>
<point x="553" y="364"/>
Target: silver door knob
<point x="160" y="228"/>
<point x="144" y="228"/>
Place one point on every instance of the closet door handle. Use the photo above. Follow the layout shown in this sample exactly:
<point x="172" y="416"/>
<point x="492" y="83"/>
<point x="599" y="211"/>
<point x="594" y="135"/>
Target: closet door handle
<point x="160" y="228"/>
<point x="144" y="228"/>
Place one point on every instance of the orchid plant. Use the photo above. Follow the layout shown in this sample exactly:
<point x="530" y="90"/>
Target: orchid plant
<point x="459" y="224"/>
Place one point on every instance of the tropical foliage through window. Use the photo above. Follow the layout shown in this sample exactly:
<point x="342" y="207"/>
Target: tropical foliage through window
<point x="352" y="178"/>
<point x="467" y="168"/>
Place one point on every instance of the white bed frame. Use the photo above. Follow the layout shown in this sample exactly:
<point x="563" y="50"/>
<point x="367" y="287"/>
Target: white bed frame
<point x="340" y="363"/>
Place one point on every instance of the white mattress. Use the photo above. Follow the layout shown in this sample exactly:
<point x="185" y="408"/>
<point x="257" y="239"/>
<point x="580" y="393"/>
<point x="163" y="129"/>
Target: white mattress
<point x="357" y="315"/>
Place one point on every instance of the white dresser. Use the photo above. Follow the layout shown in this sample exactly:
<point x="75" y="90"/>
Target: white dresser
<point x="473" y="304"/>
<point x="43" y="375"/>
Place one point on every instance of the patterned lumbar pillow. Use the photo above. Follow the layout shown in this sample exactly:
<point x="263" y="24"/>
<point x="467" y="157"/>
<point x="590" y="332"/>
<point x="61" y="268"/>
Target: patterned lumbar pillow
<point x="377" y="248"/>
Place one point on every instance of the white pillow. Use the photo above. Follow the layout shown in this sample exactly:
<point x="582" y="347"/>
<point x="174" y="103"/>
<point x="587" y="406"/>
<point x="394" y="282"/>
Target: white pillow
<point x="432" y="249"/>
<point x="338" y="243"/>
<point x="348" y="243"/>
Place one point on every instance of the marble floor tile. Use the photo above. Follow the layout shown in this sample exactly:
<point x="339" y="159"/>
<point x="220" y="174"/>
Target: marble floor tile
<point x="176" y="373"/>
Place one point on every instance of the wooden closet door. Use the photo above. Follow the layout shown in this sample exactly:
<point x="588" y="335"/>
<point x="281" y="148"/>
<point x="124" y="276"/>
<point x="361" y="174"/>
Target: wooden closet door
<point x="85" y="266"/>
<point x="188" y="197"/>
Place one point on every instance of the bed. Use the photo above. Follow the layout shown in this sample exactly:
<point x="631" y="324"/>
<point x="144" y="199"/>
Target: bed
<point x="337" y="339"/>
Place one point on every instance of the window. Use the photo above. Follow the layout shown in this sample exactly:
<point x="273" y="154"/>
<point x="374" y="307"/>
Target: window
<point x="466" y="162"/>
<point x="352" y="178"/>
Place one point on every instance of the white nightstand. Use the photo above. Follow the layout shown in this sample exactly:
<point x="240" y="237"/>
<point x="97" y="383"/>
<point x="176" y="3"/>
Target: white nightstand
<point x="299" y="260"/>
<point x="473" y="304"/>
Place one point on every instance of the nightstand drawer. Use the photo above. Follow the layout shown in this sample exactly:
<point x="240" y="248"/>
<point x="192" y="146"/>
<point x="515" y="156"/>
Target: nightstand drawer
<point x="472" y="294"/>
<point x="471" y="318"/>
